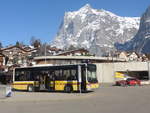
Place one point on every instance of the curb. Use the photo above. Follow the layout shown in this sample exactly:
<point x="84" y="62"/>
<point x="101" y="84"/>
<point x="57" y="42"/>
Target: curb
<point x="73" y="97"/>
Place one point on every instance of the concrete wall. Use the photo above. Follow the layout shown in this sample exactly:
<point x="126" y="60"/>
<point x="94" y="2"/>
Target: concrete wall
<point x="131" y="66"/>
<point x="106" y="71"/>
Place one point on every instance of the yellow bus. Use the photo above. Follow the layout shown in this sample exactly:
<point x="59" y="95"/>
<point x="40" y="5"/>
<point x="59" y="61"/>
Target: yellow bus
<point x="68" y="78"/>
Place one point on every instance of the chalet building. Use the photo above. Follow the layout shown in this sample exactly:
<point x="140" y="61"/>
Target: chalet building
<point x="123" y="55"/>
<point x="132" y="56"/>
<point x="77" y="52"/>
<point x="53" y="51"/>
<point x="17" y="55"/>
<point x="28" y="48"/>
<point x="2" y="59"/>
<point x="145" y="57"/>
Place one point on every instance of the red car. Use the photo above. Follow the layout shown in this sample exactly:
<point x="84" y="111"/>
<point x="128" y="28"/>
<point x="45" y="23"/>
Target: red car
<point x="129" y="82"/>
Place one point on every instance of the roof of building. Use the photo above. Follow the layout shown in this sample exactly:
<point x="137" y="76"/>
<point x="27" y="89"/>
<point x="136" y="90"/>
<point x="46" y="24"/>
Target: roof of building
<point x="1" y="54"/>
<point x="72" y="51"/>
<point x="78" y="58"/>
<point x="19" y="47"/>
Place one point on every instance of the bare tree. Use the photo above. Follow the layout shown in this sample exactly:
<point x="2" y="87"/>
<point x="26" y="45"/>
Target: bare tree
<point x="35" y="42"/>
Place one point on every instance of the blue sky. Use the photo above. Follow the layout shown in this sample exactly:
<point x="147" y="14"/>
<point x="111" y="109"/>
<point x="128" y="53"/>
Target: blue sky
<point x="22" y="19"/>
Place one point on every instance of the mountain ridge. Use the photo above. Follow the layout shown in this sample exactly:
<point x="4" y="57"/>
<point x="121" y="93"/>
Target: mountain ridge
<point x="95" y="30"/>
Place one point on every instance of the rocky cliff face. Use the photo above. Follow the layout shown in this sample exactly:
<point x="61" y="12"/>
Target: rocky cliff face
<point x="141" y="42"/>
<point x="95" y="30"/>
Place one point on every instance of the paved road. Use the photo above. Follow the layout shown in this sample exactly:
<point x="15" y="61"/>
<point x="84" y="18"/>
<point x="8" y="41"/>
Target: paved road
<point x="104" y="100"/>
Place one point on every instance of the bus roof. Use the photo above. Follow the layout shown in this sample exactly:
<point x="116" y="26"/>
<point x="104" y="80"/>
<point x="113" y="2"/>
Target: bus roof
<point x="38" y="66"/>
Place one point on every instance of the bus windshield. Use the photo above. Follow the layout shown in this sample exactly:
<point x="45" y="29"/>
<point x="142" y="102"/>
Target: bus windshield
<point x="91" y="74"/>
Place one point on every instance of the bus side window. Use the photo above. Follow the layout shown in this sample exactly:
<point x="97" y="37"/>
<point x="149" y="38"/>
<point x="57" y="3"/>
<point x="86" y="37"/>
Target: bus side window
<point x="73" y="74"/>
<point x="17" y="76"/>
<point x="23" y="76"/>
<point x="28" y="75"/>
<point x="20" y="76"/>
<point x="61" y="74"/>
<point x="56" y="75"/>
<point x="65" y="75"/>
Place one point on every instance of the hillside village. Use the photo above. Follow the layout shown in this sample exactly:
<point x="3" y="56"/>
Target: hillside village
<point x="23" y="55"/>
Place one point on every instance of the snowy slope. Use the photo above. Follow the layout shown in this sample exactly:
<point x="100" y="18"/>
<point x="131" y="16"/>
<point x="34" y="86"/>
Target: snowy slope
<point x="141" y="42"/>
<point x="96" y="30"/>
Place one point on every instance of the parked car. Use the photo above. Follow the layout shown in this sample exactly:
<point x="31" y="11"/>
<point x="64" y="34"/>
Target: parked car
<point x="129" y="82"/>
<point x="133" y="81"/>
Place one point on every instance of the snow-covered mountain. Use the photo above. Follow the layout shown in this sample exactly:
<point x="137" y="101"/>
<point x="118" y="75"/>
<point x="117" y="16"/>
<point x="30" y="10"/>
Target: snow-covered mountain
<point x="95" y="30"/>
<point x="141" y="42"/>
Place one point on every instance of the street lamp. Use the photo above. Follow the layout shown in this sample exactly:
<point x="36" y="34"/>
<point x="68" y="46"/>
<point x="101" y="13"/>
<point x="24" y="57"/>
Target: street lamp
<point x="45" y="53"/>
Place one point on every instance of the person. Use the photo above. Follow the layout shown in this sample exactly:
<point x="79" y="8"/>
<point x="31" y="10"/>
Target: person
<point x="47" y="82"/>
<point x="52" y="80"/>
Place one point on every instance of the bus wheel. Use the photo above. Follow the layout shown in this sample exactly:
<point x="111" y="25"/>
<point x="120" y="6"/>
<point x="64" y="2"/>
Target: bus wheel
<point x="68" y="89"/>
<point x="30" y="88"/>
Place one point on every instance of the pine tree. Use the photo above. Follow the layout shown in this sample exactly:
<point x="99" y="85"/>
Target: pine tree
<point x="1" y="46"/>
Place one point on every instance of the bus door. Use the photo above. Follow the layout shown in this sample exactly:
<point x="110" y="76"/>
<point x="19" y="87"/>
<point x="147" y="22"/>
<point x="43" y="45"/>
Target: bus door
<point x="50" y="81"/>
<point x="83" y="77"/>
<point x="42" y="82"/>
